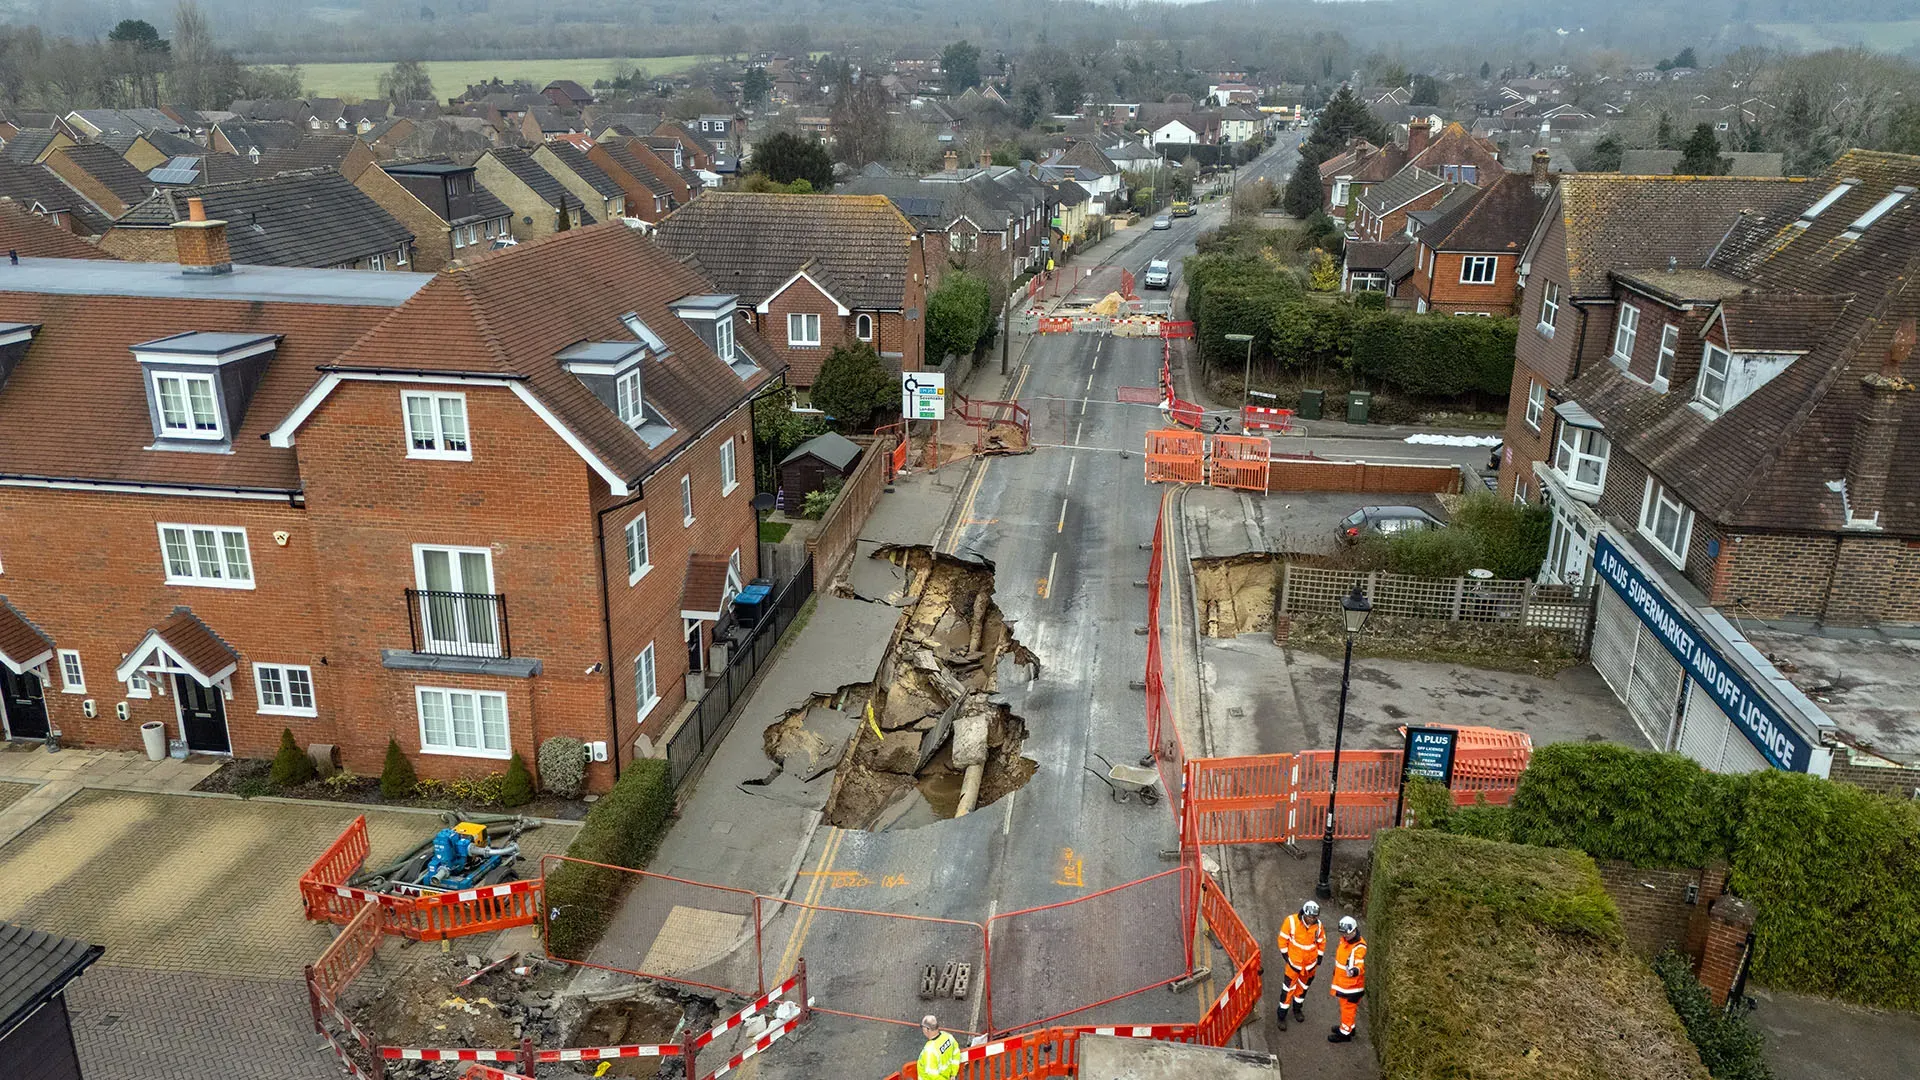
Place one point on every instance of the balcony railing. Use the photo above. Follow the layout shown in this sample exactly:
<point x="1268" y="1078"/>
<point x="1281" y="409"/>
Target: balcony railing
<point x="459" y="624"/>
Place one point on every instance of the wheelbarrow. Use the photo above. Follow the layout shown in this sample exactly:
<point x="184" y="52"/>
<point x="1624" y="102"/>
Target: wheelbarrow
<point x="1125" y="781"/>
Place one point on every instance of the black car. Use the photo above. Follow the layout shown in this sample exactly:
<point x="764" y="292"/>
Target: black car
<point x="1386" y="520"/>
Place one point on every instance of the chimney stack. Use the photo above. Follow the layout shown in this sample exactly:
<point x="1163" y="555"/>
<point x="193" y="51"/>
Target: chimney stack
<point x="953" y="161"/>
<point x="200" y="243"/>
<point x="1876" y="432"/>
<point x="1417" y="136"/>
<point x="1540" y="182"/>
<point x="986" y="159"/>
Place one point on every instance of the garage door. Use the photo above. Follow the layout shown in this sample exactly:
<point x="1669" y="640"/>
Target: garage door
<point x="1641" y="671"/>
<point x="1710" y="738"/>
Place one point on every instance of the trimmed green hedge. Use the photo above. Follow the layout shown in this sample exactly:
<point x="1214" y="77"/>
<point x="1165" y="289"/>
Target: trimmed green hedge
<point x="1833" y="870"/>
<point x="1504" y="962"/>
<point x="1729" y="1046"/>
<point x="623" y="829"/>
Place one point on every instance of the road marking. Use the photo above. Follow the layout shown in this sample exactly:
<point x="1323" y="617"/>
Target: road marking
<point x="1073" y="870"/>
<point x="805" y="922"/>
<point x="1021" y="384"/>
<point x="1076" y="431"/>
<point x="1006" y="823"/>
<point x="993" y="908"/>
<point x="840" y="879"/>
<point x="894" y="881"/>
<point x="1052" y="564"/>
<point x="1071" y="462"/>
<point x="1061" y="525"/>
<point x="1083" y="405"/>
<point x="966" y="509"/>
<point x="1089" y="384"/>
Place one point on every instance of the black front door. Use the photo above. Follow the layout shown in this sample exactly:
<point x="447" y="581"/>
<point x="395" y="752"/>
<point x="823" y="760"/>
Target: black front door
<point x="203" y="715"/>
<point x="25" y="704"/>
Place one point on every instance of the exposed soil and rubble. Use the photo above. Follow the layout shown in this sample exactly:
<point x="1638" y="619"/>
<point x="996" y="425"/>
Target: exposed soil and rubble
<point x="414" y="998"/>
<point x="927" y="741"/>
<point x="1236" y="593"/>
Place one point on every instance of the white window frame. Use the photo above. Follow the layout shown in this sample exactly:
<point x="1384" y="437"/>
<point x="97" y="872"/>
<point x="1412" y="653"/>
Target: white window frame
<point x="729" y="468"/>
<point x="1549" y="309"/>
<point x="400" y="255"/>
<point x="1341" y="188"/>
<point x="377" y="262"/>
<point x="139" y="686"/>
<point x="1653" y="500"/>
<point x="1575" y="446"/>
<point x="798" y="325"/>
<point x="223" y="576"/>
<point x="686" y="500"/>
<point x="1663" y="360"/>
<point x="1489" y="263"/>
<point x="1626" y="334"/>
<point x="446" y="446"/>
<point x="628" y="402"/>
<point x="858" y="320"/>
<point x="451" y="747"/>
<point x="285" y="673"/>
<point x="723" y="337"/>
<point x="73" y="675"/>
<point x="646" y="675"/>
<point x="639" y="550"/>
<point x="463" y="631"/>
<point x="1536" y="402"/>
<point x="1716" y="403"/>
<point x="189" y="429"/>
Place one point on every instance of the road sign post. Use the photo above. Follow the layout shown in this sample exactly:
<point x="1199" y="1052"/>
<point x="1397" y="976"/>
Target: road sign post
<point x="923" y="395"/>
<point x="1428" y="754"/>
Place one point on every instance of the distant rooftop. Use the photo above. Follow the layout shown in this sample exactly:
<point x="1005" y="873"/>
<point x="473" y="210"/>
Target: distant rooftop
<point x="273" y="284"/>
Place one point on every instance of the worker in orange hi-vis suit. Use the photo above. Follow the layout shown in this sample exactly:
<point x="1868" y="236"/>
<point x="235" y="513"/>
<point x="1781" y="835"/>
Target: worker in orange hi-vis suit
<point x="1349" y="977"/>
<point x="1303" y="941"/>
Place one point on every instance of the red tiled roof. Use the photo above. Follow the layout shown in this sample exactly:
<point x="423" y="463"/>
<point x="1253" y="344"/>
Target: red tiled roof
<point x="752" y="243"/>
<point x="704" y="592"/>
<point x="34" y="236"/>
<point x="195" y="643"/>
<point x="22" y="645"/>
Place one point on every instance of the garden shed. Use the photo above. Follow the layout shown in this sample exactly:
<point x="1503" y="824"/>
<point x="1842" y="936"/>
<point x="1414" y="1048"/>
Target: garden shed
<point x="36" y="1037"/>
<point x="815" y="462"/>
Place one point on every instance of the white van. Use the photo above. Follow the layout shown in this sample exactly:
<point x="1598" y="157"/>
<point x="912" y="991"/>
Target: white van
<point x="1159" y="274"/>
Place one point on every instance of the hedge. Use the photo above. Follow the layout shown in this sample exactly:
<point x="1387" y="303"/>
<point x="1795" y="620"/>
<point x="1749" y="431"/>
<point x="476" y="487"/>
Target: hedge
<point x="623" y="829"/>
<point x="1730" y="1047"/>
<point x="1500" y="961"/>
<point x="1833" y="871"/>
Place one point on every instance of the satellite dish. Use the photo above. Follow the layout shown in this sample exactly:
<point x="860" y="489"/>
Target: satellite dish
<point x="763" y="501"/>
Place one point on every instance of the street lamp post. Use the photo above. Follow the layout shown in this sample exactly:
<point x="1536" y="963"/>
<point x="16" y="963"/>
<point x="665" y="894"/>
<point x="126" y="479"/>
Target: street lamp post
<point x="1246" y="377"/>
<point x="1355" y="608"/>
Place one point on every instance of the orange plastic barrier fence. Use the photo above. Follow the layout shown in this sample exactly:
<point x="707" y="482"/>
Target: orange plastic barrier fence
<point x="1240" y="462"/>
<point x="320" y="885"/>
<point x="327" y="897"/>
<point x="1054" y="324"/>
<point x="1171" y="329"/>
<point x="1176" y="457"/>
<point x="1262" y="418"/>
<point x="1240" y="998"/>
<point x="1186" y="412"/>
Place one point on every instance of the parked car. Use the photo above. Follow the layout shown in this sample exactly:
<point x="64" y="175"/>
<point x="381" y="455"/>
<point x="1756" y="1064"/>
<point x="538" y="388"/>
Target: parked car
<point x="1162" y="222"/>
<point x="1386" y="520"/>
<point x="1159" y="274"/>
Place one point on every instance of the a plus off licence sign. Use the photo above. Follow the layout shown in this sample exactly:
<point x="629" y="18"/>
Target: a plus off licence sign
<point x="1759" y="721"/>
<point x="923" y="395"/>
<point x="1430" y="753"/>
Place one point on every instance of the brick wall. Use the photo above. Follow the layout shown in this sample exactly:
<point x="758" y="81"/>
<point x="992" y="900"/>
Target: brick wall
<point x="803" y="298"/>
<point x="1360" y="476"/>
<point x="1523" y="443"/>
<point x="1654" y="908"/>
<point x="1446" y="293"/>
<point x="1729" y="922"/>
<point x="1880" y="778"/>
<point x="432" y="240"/>
<point x="524" y="497"/>
<point x="521" y="199"/>
<point x="834" y="542"/>
<point x="86" y="567"/>
<point x="648" y="611"/>
<point x="140" y="245"/>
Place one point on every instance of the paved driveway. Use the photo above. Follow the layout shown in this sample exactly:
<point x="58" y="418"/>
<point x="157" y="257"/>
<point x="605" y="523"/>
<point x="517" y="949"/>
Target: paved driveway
<point x="196" y="903"/>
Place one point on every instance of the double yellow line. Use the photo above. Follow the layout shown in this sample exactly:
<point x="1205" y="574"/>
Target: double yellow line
<point x="822" y="879"/>
<point x="1177" y="606"/>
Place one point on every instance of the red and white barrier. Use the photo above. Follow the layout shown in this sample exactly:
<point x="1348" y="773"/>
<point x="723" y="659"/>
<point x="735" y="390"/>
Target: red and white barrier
<point x="609" y="1053"/>
<point x="406" y="1053"/>
<point x="1263" y="418"/>
<point x="759" y="1044"/>
<point x="752" y="1007"/>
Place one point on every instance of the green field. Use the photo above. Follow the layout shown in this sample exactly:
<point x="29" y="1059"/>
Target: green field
<point x="450" y="77"/>
<point x="1880" y="36"/>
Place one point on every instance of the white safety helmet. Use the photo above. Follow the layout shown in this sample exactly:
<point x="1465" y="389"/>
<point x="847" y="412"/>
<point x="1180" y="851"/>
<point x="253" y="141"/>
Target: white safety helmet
<point x="1310" y="909"/>
<point x="1349" y="926"/>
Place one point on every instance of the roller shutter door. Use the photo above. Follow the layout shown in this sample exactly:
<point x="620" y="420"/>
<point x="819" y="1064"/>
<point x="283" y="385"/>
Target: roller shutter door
<point x="1709" y="737"/>
<point x="1639" y="669"/>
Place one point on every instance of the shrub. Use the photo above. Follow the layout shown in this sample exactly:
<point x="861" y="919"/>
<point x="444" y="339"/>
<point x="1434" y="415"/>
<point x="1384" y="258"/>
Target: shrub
<point x="959" y="314"/>
<point x="1729" y="1046"/>
<point x="817" y="503"/>
<point x="517" y="788"/>
<point x="291" y="766"/>
<point x="397" y="778"/>
<point x="1613" y="802"/>
<point x="563" y="766"/>
<point x="623" y="829"/>
<point x="853" y="383"/>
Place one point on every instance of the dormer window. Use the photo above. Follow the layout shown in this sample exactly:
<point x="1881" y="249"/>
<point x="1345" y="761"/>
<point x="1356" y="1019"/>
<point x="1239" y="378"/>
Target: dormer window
<point x="626" y="388"/>
<point x="723" y="338"/>
<point x="187" y="409"/>
<point x="1716" y="364"/>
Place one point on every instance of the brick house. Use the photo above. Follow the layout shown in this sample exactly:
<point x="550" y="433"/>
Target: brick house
<point x="104" y="177"/>
<point x="1380" y="212"/>
<point x="647" y="196"/>
<point x="1455" y="155"/>
<point x="1468" y="262"/>
<point x="451" y="215"/>
<point x="991" y="218"/>
<point x="540" y="204"/>
<point x="492" y="518"/>
<point x="817" y="271"/>
<point x="1591" y="223"/>
<point x="314" y="219"/>
<point x="1735" y="464"/>
<point x="603" y="197"/>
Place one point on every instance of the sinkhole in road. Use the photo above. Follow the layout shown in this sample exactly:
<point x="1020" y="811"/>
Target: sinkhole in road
<point x="931" y="741"/>
<point x="1235" y="593"/>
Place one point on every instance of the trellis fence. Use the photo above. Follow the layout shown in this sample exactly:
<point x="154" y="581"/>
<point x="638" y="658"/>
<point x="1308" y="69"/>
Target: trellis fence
<point x="1312" y="590"/>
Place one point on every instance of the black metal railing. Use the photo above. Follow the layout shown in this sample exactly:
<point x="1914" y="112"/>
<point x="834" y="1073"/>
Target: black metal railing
<point x="462" y="624"/>
<point x="749" y="648"/>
